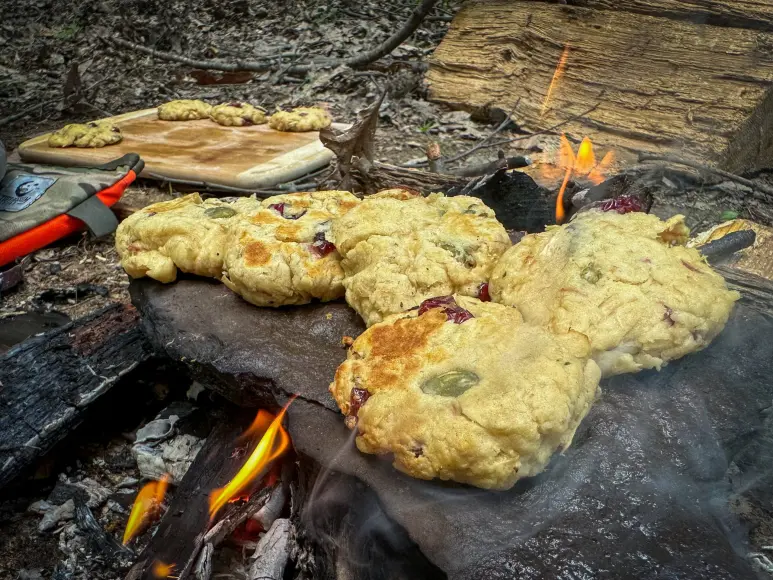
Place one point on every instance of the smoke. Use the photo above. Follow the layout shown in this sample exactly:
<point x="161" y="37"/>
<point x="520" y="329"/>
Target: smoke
<point x="345" y="516"/>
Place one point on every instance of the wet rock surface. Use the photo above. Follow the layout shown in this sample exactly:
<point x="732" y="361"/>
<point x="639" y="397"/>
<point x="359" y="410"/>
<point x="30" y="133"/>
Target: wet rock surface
<point x="648" y="489"/>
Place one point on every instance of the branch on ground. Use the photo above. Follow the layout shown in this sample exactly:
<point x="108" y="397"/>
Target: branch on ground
<point x="380" y="51"/>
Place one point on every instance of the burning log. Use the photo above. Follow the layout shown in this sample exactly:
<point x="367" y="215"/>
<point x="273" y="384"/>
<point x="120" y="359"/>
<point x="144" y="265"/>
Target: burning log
<point x="203" y="513"/>
<point x="661" y="78"/>
<point x="49" y="382"/>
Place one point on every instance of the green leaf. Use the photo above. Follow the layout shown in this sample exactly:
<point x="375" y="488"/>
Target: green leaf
<point x="728" y="215"/>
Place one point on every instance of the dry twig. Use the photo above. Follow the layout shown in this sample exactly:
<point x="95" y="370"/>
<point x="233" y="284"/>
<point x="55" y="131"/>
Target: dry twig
<point x="363" y="59"/>
<point x="760" y="187"/>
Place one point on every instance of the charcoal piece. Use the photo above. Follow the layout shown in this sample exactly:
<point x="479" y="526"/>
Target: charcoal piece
<point x="65" y="491"/>
<point x="717" y="250"/>
<point x="644" y="491"/>
<point x="518" y="202"/>
<point x="99" y="541"/>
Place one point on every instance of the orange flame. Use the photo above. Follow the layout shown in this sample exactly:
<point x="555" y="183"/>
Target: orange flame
<point x="271" y="446"/>
<point x="161" y="570"/>
<point x="559" y="72"/>
<point x="583" y="164"/>
<point x="259" y="426"/>
<point x="146" y="506"/>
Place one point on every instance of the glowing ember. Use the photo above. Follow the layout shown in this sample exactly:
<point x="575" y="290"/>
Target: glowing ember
<point x="146" y="507"/>
<point x="556" y="77"/>
<point x="274" y="442"/>
<point x="581" y="165"/>
<point x="161" y="570"/>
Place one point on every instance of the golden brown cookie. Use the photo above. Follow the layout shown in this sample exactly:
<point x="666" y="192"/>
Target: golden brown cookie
<point x="625" y="281"/>
<point x="464" y="390"/>
<point x="400" y="248"/>
<point x="184" y="110"/>
<point x="300" y="119"/>
<point x="100" y="134"/>
<point x="282" y="254"/>
<point x="237" y="115"/>
<point x="186" y="233"/>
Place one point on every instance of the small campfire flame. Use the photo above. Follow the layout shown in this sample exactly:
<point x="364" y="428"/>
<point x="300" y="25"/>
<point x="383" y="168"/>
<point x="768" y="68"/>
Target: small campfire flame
<point x="161" y="570"/>
<point x="559" y="72"/>
<point x="581" y="165"/>
<point x="146" y="507"/>
<point x="274" y="442"/>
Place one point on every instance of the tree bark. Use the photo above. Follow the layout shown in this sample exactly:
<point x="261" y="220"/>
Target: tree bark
<point x="663" y="83"/>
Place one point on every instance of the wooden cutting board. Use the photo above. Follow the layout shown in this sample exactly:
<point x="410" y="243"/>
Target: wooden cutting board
<point x="200" y="151"/>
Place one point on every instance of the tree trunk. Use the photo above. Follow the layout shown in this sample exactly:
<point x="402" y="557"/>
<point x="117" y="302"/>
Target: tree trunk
<point x="689" y="77"/>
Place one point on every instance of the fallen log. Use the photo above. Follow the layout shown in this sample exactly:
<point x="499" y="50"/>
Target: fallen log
<point x="48" y="382"/>
<point x="662" y="80"/>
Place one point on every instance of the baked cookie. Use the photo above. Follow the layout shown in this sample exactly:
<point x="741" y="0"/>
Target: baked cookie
<point x="464" y="390"/>
<point x="86" y="135"/>
<point x="300" y="119"/>
<point x="237" y="115"/>
<point x="184" y="110"/>
<point x="625" y="281"/>
<point x="400" y="248"/>
<point x="282" y="254"/>
<point x="186" y="233"/>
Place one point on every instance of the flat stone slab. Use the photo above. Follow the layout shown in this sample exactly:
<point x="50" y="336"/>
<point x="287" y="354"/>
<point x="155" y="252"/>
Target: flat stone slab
<point x="253" y="356"/>
<point x="645" y="490"/>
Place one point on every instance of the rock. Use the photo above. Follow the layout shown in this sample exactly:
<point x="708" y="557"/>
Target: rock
<point x="61" y="513"/>
<point x="646" y="478"/>
<point x="292" y="350"/>
<point x="643" y="491"/>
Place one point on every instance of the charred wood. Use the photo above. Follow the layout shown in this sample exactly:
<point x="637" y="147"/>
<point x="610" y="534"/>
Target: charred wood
<point x="272" y="552"/>
<point x="185" y="528"/>
<point x="48" y="383"/>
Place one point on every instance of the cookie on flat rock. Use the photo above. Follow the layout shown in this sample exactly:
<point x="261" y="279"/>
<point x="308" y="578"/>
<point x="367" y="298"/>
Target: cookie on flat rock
<point x="282" y="254"/>
<point x="464" y="390"/>
<point x="625" y="281"/>
<point x="400" y="248"/>
<point x="300" y="119"/>
<point x="185" y="233"/>
<point x="86" y="135"/>
<point x="184" y="110"/>
<point x="237" y="115"/>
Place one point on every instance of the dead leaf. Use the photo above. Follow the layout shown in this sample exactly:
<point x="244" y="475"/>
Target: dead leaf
<point x="73" y="86"/>
<point x="204" y="77"/>
<point x="356" y="142"/>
